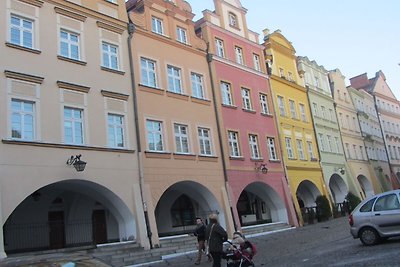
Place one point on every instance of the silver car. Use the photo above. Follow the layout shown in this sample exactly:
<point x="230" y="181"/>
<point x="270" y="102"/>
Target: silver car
<point x="376" y="218"/>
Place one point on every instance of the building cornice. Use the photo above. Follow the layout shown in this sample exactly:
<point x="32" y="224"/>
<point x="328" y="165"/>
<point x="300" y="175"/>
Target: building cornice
<point x="239" y="66"/>
<point x="114" y="95"/>
<point x="70" y="14"/>
<point x="38" y="3"/>
<point x="288" y="83"/>
<point x="73" y="87"/>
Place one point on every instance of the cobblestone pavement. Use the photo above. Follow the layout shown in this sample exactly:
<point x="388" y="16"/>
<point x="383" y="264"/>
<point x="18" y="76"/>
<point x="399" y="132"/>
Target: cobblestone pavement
<point x="323" y="244"/>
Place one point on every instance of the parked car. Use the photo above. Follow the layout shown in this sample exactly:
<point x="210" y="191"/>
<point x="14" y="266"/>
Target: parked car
<point x="376" y="218"/>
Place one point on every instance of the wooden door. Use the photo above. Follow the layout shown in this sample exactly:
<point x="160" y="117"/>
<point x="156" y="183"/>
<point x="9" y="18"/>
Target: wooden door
<point x="56" y="229"/>
<point x="99" y="227"/>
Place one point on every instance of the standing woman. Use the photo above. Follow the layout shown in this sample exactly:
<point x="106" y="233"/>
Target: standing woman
<point x="215" y="236"/>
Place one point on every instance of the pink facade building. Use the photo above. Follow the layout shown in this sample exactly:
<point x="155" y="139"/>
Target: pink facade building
<point x="254" y="169"/>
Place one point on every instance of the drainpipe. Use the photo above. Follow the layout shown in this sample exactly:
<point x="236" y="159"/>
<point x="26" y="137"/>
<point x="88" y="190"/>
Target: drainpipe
<point x="131" y="31"/>
<point x="209" y="57"/>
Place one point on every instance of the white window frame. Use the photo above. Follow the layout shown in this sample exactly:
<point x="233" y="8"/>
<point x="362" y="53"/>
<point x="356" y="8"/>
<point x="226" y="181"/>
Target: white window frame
<point x="256" y="61"/>
<point x="181" y="135"/>
<point x="181" y="35"/>
<point x="24" y="114"/>
<point x="110" y="55"/>
<point x="246" y="99"/>
<point x="289" y="147"/>
<point x="264" y="103"/>
<point x="254" y="147"/>
<point x="70" y="44"/>
<point x="157" y="25"/>
<point x="205" y="141"/>
<point x="281" y="106"/>
<point x="22" y="31"/>
<point x="116" y="127"/>
<point x="234" y="146"/>
<point x="147" y="72"/>
<point x="330" y="144"/>
<point x="239" y="55"/>
<point x="310" y="150"/>
<point x="321" y="142"/>
<point x="315" y="109"/>
<point x="219" y="47"/>
<point x="226" y="93"/>
<point x="273" y="155"/>
<point x="300" y="149"/>
<point x="174" y="75"/>
<point x="233" y="20"/>
<point x="337" y="145"/>
<point x="197" y="85"/>
<point x="156" y="134"/>
<point x="303" y="114"/>
<point x="292" y="108"/>
<point x="73" y="122"/>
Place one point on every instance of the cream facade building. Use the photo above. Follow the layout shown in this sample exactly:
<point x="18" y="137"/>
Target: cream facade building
<point x="365" y="183"/>
<point x="66" y="91"/>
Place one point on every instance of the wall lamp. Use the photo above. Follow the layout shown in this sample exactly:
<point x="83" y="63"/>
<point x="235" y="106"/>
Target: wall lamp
<point x="342" y="171"/>
<point x="77" y="163"/>
<point x="261" y="167"/>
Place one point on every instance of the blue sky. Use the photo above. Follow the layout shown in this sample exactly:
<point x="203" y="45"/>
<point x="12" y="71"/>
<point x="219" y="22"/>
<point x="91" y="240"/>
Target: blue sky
<point x="356" y="36"/>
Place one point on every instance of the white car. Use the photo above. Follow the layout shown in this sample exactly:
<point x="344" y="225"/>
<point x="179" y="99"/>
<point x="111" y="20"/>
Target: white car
<point x="376" y="218"/>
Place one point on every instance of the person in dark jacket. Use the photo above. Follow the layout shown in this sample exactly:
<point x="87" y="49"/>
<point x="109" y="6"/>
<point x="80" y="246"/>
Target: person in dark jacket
<point x="215" y="236"/>
<point x="200" y="232"/>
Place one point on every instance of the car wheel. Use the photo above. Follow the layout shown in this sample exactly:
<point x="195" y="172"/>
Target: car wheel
<point x="369" y="236"/>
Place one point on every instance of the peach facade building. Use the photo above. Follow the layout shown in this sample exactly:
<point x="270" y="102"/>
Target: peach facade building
<point x="251" y="148"/>
<point x="180" y="149"/>
<point x="389" y="117"/>
<point x="66" y="91"/>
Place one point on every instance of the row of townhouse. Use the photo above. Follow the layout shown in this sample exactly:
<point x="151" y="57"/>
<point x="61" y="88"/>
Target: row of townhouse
<point x="174" y="119"/>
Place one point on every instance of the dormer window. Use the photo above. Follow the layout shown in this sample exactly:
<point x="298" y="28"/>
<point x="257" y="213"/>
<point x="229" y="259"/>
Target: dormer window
<point x="233" y="20"/>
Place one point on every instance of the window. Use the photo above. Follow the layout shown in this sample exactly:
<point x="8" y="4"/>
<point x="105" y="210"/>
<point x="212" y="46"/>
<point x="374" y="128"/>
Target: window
<point x="246" y="102"/>
<point x="239" y="55"/>
<point x="289" y="149"/>
<point x="355" y="152"/>
<point x="332" y="115"/>
<point x="264" y="104"/>
<point x="181" y="138"/>
<point x="226" y="94"/>
<point x="157" y="25"/>
<point x="197" y="85"/>
<point x="271" y="148"/>
<point x="73" y="126"/>
<point x="148" y="72"/>
<point x="290" y="76"/>
<point x="181" y="35"/>
<point x="21" y="31"/>
<point x="69" y="45"/>
<point x="337" y="145"/>
<point x="323" y="114"/>
<point x="282" y="73"/>
<point x="110" y="56"/>
<point x="315" y="109"/>
<point x="317" y="84"/>
<point x="116" y="131"/>
<point x="292" y="108"/>
<point x="155" y="140"/>
<point x="300" y="150"/>
<point x="174" y="80"/>
<point x="22" y="119"/>
<point x="347" y="146"/>
<point x="362" y="153"/>
<point x="281" y="106"/>
<point x="321" y="141"/>
<point x="219" y="45"/>
<point x="205" y="141"/>
<point x="256" y="61"/>
<point x="303" y="112"/>
<point x="330" y="144"/>
<point x="253" y="142"/>
<point x="233" y="20"/>
<point x="233" y="139"/>
<point x="388" y="202"/>
<point x="310" y="150"/>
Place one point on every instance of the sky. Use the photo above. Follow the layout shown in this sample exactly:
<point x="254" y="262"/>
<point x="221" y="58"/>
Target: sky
<point x="355" y="36"/>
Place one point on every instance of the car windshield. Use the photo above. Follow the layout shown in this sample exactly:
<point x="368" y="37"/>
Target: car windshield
<point x="367" y="207"/>
<point x="388" y="202"/>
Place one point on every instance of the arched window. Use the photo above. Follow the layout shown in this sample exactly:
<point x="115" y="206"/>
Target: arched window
<point x="182" y="212"/>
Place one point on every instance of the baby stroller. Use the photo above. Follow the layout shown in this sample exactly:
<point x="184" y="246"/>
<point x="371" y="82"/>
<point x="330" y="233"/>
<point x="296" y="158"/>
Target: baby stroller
<point x="240" y="255"/>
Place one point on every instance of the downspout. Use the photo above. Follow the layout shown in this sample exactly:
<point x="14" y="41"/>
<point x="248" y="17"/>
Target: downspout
<point x="131" y="31"/>
<point x="209" y="57"/>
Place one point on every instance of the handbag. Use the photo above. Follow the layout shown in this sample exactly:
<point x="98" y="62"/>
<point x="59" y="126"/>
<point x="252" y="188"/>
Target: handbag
<point x="207" y="250"/>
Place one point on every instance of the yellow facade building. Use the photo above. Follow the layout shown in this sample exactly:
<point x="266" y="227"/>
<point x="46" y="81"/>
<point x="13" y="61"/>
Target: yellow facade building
<point x="299" y="146"/>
